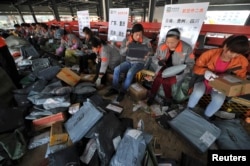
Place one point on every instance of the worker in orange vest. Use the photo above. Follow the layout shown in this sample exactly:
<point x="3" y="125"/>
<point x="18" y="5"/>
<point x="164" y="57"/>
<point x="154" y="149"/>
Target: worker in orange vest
<point x="7" y="63"/>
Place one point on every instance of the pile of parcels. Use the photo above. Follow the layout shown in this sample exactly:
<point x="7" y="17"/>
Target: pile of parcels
<point x="85" y="129"/>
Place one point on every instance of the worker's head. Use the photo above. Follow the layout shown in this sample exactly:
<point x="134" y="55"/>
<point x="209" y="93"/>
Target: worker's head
<point x="59" y="33"/>
<point x="137" y="32"/>
<point x="235" y="45"/>
<point x="173" y="38"/>
<point x="96" y="44"/>
<point x="87" y="33"/>
<point x="17" y="26"/>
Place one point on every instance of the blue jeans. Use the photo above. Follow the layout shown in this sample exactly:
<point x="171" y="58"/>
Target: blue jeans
<point x="217" y="99"/>
<point x="131" y="69"/>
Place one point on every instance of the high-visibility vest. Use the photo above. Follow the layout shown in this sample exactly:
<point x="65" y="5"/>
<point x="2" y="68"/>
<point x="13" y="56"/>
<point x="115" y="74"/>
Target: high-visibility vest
<point x="2" y="42"/>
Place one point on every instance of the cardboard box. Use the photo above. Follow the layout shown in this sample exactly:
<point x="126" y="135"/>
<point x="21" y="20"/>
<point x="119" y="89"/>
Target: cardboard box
<point x="87" y="77"/>
<point x="245" y="87"/>
<point x="141" y="75"/>
<point x="48" y="121"/>
<point x="57" y="136"/>
<point x="228" y="84"/>
<point x="68" y="76"/>
<point x="137" y="91"/>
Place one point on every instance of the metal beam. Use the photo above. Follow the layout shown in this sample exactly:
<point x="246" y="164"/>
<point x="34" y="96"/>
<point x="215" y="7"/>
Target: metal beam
<point x="103" y="6"/>
<point x="108" y="5"/>
<point x="32" y="13"/>
<point x="72" y="12"/>
<point x="20" y="2"/>
<point x="20" y="13"/>
<point x="144" y="13"/>
<point x="151" y="9"/>
<point x="55" y="10"/>
<point x="99" y="10"/>
<point x="38" y="3"/>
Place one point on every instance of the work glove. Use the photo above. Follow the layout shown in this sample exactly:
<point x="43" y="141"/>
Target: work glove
<point x="210" y="76"/>
<point x="98" y="82"/>
<point x="162" y="63"/>
<point x="217" y="91"/>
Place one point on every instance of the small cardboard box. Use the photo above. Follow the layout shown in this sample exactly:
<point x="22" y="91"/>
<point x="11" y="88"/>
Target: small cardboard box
<point x="68" y="76"/>
<point x="87" y="77"/>
<point x="47" y="121"/>
<point x="245" y="87"/>
<point x="228" y="84"/>
<point x="137" y="91"/>
<point x="57" y="136"/>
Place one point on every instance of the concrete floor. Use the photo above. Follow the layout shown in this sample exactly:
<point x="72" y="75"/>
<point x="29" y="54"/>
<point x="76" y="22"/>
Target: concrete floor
<point x="172" y="144"/>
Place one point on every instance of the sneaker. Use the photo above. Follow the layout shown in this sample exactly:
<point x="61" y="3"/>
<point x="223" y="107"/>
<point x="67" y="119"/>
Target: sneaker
<point x="111" y="92"/>
<point x="120" y="97"/>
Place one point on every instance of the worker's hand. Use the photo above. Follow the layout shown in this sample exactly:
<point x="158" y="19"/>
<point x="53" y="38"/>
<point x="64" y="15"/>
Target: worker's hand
<point x="162" y="62"/>
<point x="217" y="91"/>
<point x="210" y="76"/>
<point x="127" y="43"/>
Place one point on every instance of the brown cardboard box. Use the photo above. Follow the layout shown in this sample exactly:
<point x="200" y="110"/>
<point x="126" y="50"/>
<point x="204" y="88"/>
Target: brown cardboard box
<point x="87" y="77"/>
<point x="68" y="76"/>
<point x="245" y="87"/>
<point x="57" y="136"/>
<point x="140" y="76"/>
<point x="137" y="91"/>
<point x="228" y="84"/>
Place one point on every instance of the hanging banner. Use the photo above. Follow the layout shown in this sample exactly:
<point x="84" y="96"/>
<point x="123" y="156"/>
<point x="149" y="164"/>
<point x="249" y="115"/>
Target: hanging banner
<point x="83" y="20"/>
<point x="118" y="23"/>
<point x="188" y="18"/>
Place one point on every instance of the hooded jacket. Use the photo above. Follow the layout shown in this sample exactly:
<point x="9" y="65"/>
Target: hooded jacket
<point x="208" y="59"/>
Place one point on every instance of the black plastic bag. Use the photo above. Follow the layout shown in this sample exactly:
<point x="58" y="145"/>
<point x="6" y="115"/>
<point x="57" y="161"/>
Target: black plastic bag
<point x="105" y="131"/>
<point x="11" y="119"/>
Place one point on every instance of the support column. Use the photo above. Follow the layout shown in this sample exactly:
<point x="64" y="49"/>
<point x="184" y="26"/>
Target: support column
<point x="103" y="6"/>
<point x="72" y="12"/>
<point x="55" y="10"/>
<point x="144" y="13"/>
<point x="20" y="13"/>
<point x="151" y="10"/>
<point x="108" y="5"/>
<point x="32" y="13"/>
<point x="98" y="10"/>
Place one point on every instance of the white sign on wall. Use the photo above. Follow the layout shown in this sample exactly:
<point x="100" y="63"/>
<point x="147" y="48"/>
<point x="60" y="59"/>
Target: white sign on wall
<point x="188" y="18"/>
<point x="83" y="20"/>
<point x="227" y="17"/>
<point x="118" y="23"/>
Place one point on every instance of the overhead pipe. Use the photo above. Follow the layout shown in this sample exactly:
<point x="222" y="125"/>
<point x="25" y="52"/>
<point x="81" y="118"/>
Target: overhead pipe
<point x="20" y="2"/>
